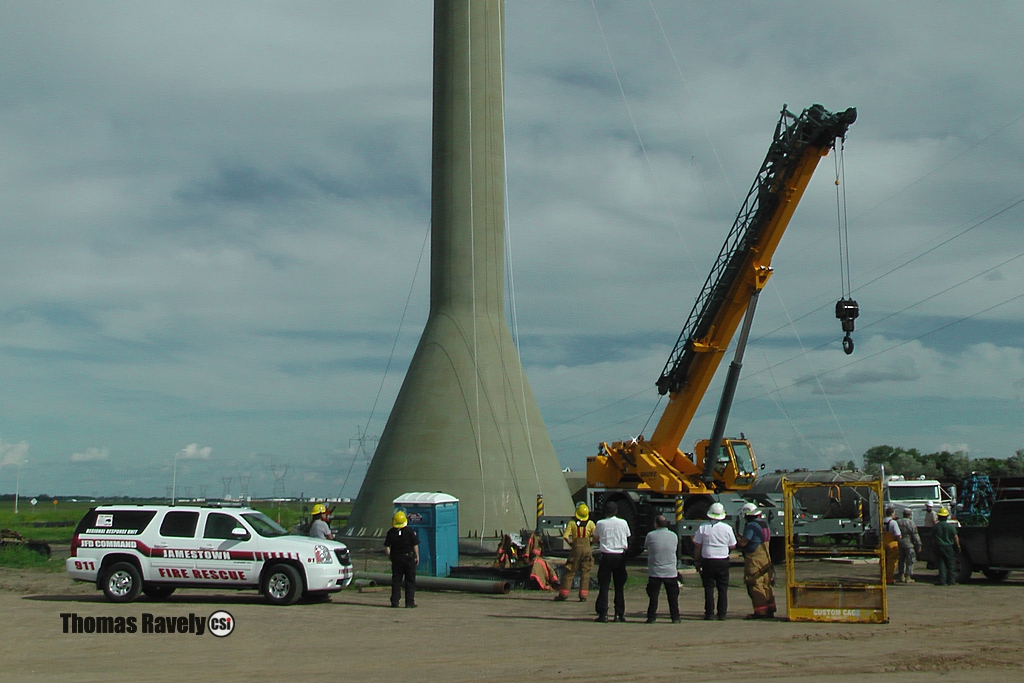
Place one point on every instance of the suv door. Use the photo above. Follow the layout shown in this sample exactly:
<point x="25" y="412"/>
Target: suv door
<point x="175" y="548"/>
<point x="227" y="550"/>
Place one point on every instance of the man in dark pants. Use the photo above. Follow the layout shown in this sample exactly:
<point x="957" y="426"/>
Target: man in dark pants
<point x="947" y="543"/>
<point x="402" y="546"/>
<point x="612" y="534"/>
<point x="711" y="546"/>
<point x="662" y="554"/>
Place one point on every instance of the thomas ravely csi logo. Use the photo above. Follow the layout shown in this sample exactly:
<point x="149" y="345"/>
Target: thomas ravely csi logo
<point x="218" y="624"/>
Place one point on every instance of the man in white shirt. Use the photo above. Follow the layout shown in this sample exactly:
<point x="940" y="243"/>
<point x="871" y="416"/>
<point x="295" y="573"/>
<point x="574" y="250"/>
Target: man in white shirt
<point x="612" y="536"/>
<point x="711" y="546"/>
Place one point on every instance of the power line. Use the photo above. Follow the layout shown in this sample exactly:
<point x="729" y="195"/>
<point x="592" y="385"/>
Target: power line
<point x="900" y="344"/>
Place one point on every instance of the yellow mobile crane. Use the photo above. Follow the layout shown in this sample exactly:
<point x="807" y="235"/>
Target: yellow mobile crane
<point x="647" y="477"/>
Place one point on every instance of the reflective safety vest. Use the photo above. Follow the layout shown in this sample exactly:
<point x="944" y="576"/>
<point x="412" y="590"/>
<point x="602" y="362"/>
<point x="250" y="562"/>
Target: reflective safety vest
<point x="578" y="533"/>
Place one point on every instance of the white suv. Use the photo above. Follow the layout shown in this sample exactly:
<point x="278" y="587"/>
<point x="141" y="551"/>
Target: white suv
<point x="154" y="549"/>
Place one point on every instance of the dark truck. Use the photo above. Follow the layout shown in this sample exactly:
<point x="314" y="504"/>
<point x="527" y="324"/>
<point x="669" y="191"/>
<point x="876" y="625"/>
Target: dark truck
<point x="994" y="550"/>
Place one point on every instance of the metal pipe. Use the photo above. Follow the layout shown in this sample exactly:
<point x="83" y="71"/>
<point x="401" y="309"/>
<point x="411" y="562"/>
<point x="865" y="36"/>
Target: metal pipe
<point x="434" y="583"/>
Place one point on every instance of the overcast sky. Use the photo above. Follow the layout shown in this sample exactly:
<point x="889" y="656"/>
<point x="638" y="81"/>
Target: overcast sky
<point x="212" y="215"/>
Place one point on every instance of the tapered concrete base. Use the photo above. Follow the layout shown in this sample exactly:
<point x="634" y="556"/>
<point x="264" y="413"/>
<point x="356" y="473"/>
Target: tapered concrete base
<point x="478" y="441"/>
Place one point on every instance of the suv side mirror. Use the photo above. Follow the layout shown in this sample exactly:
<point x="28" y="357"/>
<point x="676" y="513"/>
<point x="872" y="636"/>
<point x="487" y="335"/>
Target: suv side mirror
<point x="239" y="533"/>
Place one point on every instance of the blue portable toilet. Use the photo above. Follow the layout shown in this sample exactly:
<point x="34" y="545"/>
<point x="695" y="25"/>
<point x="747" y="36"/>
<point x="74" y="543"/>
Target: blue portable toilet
<point x="435" y="518"/>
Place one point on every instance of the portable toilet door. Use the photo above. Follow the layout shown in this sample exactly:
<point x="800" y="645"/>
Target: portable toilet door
<point x="435" y="519"/>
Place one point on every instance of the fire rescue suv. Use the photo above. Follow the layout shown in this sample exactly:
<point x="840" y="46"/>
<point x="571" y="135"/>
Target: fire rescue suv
<point x="155" y="549"/>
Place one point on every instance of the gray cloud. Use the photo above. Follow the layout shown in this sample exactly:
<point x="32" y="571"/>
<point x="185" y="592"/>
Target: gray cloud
<point x="212" y="219"/>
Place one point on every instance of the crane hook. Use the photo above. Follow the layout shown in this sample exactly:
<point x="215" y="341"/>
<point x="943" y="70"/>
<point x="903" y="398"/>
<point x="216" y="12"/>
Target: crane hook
<point x="847" y="311"/>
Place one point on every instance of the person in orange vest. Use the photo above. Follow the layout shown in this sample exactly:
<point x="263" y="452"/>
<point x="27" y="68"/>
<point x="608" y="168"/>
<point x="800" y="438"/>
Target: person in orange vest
<point x="578" y="534"/>
<point x="891" y="536"/>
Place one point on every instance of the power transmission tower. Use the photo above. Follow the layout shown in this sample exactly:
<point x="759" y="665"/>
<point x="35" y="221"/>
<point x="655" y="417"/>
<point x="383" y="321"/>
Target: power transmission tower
<point x="243" y="484"/>
<point x="365" y="446"/>
<point x="202" y="491"/>
<point x="227" y="487"/>
<point x="280" y="491"/>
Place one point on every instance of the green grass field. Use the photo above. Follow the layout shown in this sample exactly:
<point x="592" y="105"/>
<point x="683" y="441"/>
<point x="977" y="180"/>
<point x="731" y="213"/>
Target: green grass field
<point x="17" y="557"/>
<point x="55" y="524"/>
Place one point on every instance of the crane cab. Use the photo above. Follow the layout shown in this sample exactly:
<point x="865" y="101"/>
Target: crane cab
<point x="736" y="468"/>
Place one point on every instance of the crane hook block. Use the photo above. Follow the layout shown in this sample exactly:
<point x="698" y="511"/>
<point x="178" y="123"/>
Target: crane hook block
<point x="847" y="311"/>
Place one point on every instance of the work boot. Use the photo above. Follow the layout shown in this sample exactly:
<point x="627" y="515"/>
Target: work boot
<point x="602" y="619"/>
<point x="908" y="579"/>
<point x="621" y="618"/>
<point x="561" y="598"/>
<point x="583" y="598"/>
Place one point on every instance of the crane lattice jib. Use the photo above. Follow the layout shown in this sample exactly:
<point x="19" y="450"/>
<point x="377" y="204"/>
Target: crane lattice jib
<point x="794" y="137"/>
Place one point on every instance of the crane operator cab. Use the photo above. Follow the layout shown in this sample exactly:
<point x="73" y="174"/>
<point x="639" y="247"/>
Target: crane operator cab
<point x="736" y="468"/>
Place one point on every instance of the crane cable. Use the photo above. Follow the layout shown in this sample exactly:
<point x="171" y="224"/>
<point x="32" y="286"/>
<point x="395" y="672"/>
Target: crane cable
<point x="846" y="308"/>
<point x="846" y="289"/>
<point x="1017" y="201"/>
<point x="511" y="285"/>
<point x="472" y="266"/>
<point x="902" y="343"/>
<point x="391" y="357"/>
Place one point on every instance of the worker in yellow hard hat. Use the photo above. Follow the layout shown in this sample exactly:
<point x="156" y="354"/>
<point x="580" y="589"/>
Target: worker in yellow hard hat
<point x="402" y="546"/>
<point x="578" y="534"/>
<point x="320" y="527"/>
<point x="947" y="544"/>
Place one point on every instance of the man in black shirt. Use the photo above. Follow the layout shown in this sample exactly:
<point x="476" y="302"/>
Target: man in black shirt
<point x="402" y="546"/>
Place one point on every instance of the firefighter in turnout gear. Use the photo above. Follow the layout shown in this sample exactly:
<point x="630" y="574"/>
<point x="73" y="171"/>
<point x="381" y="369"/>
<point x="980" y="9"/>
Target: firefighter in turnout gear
<point x="578" y="534"/>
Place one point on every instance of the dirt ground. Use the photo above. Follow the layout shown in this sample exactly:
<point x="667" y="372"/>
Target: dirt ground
<point x="972" y="632"/>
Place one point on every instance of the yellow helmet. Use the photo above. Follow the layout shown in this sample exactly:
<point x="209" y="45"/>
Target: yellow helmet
<point x="943" y="512"/>
<point x="319" y="509"/>
<point x="399" y="520"/>
<point x="582" y="512"/>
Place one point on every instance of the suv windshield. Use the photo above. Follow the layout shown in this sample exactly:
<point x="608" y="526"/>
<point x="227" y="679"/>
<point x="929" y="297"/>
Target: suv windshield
<point x="264" y="525"/>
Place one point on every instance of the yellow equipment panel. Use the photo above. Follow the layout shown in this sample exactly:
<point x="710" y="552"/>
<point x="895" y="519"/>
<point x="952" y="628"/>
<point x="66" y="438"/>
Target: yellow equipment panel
<point x="860" y="596"/>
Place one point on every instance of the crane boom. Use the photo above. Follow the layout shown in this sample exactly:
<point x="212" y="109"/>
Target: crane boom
<point x="744" y="264"/>
<point x="739" y="274"/>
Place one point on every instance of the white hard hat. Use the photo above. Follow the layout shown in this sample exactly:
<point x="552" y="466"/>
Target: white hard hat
<point x="751" y="510"/>
<point x="716" y="511"/>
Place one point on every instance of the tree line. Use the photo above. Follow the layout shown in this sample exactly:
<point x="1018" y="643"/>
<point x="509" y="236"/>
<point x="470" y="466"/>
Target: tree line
<point x="949" y="468"/>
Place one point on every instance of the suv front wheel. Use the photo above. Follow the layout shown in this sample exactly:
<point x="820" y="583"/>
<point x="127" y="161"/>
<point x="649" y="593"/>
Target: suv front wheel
<point x="282" y="585"/>
<point x="122" y="582"/>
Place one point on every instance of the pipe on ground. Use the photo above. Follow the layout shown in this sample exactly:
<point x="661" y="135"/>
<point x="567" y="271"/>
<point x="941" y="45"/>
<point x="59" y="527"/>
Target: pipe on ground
<point x="433" y="583"/>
